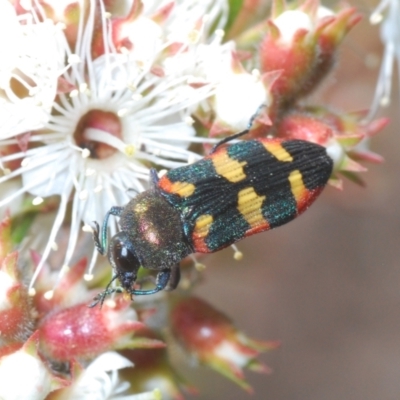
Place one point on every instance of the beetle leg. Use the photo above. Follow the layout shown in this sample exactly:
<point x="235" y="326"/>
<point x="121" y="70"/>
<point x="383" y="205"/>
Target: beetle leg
<point x="174" y="278"/>
<point x="161" y="282"/>
<point x="100" y="237"/>
<point x="96" y="238"/>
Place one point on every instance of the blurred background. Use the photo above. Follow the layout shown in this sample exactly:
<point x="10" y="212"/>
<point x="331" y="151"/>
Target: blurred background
<point x="328" y="284"/>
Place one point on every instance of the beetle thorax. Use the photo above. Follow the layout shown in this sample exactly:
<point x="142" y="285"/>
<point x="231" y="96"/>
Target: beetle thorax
<point x="155" y="230"/>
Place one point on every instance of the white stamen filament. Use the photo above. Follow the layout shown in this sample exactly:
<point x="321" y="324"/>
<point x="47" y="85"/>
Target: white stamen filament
<point x="93" y="261"/>
<point x="377" y="15"/>
<point x="99" y="135"/>
<point x="54" y="230"/>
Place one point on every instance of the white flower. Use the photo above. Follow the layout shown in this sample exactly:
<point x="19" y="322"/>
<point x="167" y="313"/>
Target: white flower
<point x="238" y="97"/>
<point x="99" y="381"/>
<point x="29" y="70"/>
<point x="38" y="381"/>
<point x="390" y="35"/>
<point x="117" y="112"/>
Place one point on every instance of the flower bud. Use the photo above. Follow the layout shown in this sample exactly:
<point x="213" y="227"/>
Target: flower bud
<point x="81" y="333"/>
<point x="210" y="336"/>
<point x="238" y="96"/>
<point x="17" y="316"/>
<point x="303" y="43"/>
<point x="152" y="368"/>
<point x="344" y="135"/>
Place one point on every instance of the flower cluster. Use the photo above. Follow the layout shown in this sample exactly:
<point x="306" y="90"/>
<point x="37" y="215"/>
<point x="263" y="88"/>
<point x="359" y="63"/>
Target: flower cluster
<point x="95" y="93"/>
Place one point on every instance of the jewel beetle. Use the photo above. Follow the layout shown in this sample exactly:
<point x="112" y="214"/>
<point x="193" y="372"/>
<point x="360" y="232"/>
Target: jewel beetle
<point x="236" y="191"/>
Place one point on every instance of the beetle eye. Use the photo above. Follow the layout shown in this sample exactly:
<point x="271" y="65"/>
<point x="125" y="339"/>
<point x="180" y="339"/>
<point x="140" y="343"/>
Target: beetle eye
<point x="122" y="256"/>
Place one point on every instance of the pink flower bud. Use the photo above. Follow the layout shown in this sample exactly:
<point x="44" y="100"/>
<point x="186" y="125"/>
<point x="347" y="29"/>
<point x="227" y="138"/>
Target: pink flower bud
<point x="16" y="313"/>
<point x="81" y="332"/>
<point x="303" y="42"/>
<point x="211" y="337"/>
<point x="305" y="126"/>
<point x="292" y="51"/>
<point x="344" y="136"/>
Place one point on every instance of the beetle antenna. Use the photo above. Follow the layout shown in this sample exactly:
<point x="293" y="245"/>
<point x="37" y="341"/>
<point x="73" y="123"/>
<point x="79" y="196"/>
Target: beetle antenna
<point x="236" y="135"/>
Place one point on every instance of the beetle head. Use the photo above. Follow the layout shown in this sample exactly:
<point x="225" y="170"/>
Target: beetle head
<point x="123" y="258"/>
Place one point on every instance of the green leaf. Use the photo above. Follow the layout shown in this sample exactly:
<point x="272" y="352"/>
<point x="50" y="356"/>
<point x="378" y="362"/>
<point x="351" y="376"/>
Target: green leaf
<point x="20" y="225"/>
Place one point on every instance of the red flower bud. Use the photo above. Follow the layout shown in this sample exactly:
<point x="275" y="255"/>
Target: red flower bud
<point x="81" y="332"/>
<point x="211" y="337"/>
